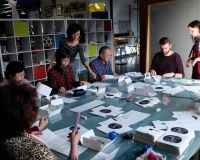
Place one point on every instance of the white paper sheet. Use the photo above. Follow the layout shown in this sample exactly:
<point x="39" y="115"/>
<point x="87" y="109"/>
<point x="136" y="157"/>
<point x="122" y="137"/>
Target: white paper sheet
<point x="57" y="143"/>
<point x="160" y="88"/>
<point x="68" y="100"/>
<point x="98" y="84"/>
<point x="140" y="85"/>
<point x="43" y="89"/>
<point x="64" y="132"/>
<point x="121" y="130"/>
<point x="159" y="125"/>
<point x="173" y="91"/>
<point x="133" y="117"/>
<point x="148" y="102"/>
<point x="194" y="89"/>
<point x="87" y="106"/>
<point x="134" y="74"/>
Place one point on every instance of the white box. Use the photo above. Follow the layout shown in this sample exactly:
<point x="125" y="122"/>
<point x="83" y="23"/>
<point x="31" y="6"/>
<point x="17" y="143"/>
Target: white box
<point x="91" y="141"/>
<point x="55" y="100"/>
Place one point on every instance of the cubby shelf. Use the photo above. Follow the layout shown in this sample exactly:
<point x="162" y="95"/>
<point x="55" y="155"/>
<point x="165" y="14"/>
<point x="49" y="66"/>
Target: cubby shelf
<point x="34" y="42"/>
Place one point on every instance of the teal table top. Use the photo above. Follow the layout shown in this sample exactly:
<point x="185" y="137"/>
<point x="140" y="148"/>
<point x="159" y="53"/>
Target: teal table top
<point x="127" y="148"/>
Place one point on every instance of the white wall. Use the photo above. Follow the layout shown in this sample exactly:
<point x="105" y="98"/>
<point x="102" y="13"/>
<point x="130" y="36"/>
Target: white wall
<point x="171" y="19"/>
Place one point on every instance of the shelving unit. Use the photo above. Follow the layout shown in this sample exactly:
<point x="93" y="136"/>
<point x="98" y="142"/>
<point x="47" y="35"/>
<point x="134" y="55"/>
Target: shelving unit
<point x="34" y="42"/>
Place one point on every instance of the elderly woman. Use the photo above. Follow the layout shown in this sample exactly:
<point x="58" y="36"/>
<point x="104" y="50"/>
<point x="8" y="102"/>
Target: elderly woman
<point x="18" y="112"/>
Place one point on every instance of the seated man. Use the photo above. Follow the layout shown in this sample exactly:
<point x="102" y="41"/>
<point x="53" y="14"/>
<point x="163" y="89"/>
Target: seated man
<point x="167" y="63"/>
<point x="101" y="66"/>
<point x="61" y="76"/>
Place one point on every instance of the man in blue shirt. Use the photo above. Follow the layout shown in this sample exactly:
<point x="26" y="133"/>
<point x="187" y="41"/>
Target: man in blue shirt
<point x="101" y="66"/>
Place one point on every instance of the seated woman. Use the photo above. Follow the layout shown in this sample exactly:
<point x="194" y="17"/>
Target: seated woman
<point x="61" y="76"/>
<point x="15" y="71"/>
<point x="19" y="111"/>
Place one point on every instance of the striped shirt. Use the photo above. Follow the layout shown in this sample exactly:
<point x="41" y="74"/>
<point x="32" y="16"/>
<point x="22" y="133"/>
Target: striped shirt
<point x="72" y="52"/>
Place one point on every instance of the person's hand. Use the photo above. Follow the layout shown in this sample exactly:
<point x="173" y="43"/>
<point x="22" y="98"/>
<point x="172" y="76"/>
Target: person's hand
<point x="36" y="133"/>
<point x="189" y="62"/>
<point x="115" y="74"/>
<point x="167" y="75"/>
<point x="152" y="72"/>
<point x="62" y="90"/>
<point x="195" y="61"/>
<point x="103" y="78"/>
<point x="75" y="137"/>
<point x="82" y="83"/>
<point x="43" y="123"/>
<point x="93" y="75"/>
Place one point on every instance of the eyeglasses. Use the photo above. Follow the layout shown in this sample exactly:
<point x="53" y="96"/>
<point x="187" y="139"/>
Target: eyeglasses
<point x="21" y="74"/>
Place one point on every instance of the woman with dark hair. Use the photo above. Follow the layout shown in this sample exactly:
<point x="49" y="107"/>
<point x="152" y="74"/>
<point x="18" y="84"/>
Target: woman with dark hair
<point x="15" y="71"/>
<point x="75" y="35"/>
<point x="61" y="76"/>
<point x="194" y="56"/>
<point x="19" y="111"/>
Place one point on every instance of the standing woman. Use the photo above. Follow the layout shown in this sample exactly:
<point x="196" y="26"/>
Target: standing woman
<point x="194" y="56"/>
<point x="75" y="35"/>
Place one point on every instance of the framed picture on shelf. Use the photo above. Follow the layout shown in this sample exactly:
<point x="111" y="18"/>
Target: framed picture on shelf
<point x="59" y="9"/>
<point x="74" y="6"/>
<point x="48" y="11"/>
<point x="82" y="6"/>
<point x="67" y="11"/>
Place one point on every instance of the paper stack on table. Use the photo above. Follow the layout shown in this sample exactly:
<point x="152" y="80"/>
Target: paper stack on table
<point x="175" y="140"/>
<point x="148" y="134"/>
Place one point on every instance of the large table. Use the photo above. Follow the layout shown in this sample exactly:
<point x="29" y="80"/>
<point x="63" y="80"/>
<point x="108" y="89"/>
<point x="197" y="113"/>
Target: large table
<point x="127" y="148"/>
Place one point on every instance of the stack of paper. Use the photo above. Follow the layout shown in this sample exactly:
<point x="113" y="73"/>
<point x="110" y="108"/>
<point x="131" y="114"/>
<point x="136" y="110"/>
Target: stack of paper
<point x="148" y="102"/>
<point x="175" y="140"/>
<point x="107" y="111"/>
<point x="148" y="134"/>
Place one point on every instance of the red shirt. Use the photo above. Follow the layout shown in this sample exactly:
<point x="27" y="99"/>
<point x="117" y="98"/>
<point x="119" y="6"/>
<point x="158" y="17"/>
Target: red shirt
<point x="196" y="68"/>
<point x="57" y="78"/>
